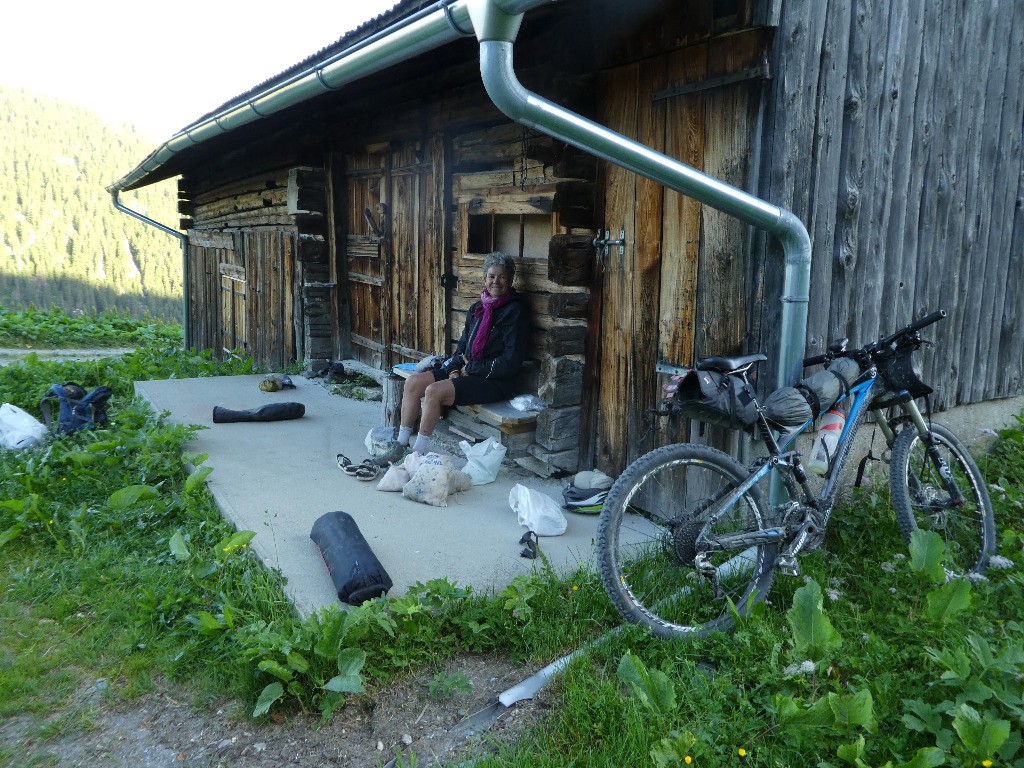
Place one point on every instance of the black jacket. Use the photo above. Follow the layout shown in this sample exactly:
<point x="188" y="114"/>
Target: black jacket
<point x="507" y="342"/>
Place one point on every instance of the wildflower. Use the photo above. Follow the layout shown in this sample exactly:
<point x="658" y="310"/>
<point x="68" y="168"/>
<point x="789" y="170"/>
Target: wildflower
<point x="989" y="432"/>
<point x="977" y="578"/>
<point x="688" y="760"/>
<point x="833" y="594"/>
<point x="1000" y="563"/>
<point x="865" y="638"/>
<point x="741" y="752"/>
<point x="899" y="556"/>
<point x="997" y="488"/>
<point x="803" y="668"/>
<point x="888" y="567"/>
<point x="987" y="763"/>
<point x="892" y="590"/>
<point x="575" y="587"/>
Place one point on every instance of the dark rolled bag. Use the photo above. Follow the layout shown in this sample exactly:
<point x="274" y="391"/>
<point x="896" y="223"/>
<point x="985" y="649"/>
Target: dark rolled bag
<point x="269" y="412"/>
<point x="357" y="574"/>
<point x="711" y="397"/>
<point x="793" y="406"/>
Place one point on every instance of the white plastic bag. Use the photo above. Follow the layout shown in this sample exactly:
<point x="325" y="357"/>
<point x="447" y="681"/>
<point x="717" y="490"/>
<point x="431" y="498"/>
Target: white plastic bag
<point x="527" y="403"/>
<point x="18" y="429"/>
<point x="538" y="512"/>
<point x="483" y="460"/>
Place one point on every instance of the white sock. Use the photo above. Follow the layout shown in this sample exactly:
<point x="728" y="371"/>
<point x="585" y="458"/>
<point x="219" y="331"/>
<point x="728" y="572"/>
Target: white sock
<point x="404" y="433"/>
<point x="422" y="441"/>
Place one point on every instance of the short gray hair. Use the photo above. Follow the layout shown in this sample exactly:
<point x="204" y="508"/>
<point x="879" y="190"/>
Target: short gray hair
<point x="503" y="260"/>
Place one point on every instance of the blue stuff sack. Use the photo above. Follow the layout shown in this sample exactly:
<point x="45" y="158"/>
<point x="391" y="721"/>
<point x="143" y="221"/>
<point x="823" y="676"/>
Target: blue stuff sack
<point x="77" y="408"/>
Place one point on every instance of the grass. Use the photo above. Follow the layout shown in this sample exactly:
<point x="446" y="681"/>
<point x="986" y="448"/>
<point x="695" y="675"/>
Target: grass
<point x="117" y="567"/>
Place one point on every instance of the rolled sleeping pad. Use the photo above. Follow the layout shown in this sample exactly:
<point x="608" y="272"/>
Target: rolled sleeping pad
<point x="269" y="412"/>
<point x="357" y="574"/>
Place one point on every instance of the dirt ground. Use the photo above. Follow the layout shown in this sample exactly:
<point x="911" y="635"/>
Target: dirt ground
<point x="163" y="729"/>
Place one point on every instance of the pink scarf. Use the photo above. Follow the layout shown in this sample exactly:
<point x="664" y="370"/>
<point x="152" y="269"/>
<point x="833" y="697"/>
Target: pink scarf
<point x="488" y="306"/>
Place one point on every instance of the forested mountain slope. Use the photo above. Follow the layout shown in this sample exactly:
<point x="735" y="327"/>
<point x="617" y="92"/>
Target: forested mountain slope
<point x="62" y="242"/>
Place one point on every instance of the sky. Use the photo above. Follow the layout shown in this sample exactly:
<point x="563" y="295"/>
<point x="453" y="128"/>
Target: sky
<point x="163" y="64"/>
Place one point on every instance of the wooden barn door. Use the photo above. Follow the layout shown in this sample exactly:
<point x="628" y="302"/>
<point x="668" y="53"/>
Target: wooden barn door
<point x="234" y="328"/>
<point x="393" y="251"/>
<point x="679" y="285"/>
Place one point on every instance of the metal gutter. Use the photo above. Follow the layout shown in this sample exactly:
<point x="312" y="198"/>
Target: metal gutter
<point x="496" y="28"/>
<point x="182" y="240"/>
<point x="425" y="30"/>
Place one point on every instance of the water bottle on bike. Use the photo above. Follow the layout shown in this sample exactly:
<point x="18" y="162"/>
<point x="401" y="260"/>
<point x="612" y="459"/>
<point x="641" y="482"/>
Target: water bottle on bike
<point x="832" y="423"/>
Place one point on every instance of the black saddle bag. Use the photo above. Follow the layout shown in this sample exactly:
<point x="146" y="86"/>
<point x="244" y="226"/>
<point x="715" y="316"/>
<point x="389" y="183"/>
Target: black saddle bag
<point x="715" y="398"/>
<point x="357" y="574"/>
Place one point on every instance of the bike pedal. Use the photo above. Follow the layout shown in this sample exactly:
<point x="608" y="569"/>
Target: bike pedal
<point x="787" y="565"/>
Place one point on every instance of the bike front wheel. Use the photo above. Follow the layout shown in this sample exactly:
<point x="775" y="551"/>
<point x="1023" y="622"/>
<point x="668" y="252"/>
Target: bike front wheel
<point x="673" y="554"/>
<point x="954" y="504"/>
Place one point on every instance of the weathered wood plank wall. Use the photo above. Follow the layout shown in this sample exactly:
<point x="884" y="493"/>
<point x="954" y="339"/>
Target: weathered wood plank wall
<point x="244" y="274"/>
<point x="893" y="131"/>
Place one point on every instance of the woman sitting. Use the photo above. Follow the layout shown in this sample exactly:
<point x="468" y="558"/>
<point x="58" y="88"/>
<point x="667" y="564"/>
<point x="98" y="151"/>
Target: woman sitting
<point x="483" y="369"/>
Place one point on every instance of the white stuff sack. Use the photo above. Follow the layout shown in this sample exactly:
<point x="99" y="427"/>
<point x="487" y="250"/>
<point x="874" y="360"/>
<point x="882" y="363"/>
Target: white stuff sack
<point x="379" y="440"/>
<point x="483" y="460"/>
<point x="18" y="429"/>
<point x="538" y="512"/>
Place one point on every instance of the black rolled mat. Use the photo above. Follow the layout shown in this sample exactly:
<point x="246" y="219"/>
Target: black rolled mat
<point x="356" y="572"/>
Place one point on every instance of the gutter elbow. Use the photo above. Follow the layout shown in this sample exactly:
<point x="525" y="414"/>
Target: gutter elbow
<point x="500" y="81"/>
<point x="795" y="240"/>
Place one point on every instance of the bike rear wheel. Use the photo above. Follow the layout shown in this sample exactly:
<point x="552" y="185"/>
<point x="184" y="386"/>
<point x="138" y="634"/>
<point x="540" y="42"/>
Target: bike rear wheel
<point x="664" y="510"/>
<point x="923" y="499"/>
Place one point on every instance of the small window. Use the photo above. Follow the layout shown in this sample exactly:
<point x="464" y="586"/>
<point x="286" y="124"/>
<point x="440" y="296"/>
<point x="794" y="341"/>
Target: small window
<point x="518" y="235"/>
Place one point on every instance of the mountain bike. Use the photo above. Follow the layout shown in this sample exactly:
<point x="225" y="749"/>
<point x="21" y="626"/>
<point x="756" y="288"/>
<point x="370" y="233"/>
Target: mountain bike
<point x="687" y="536"/>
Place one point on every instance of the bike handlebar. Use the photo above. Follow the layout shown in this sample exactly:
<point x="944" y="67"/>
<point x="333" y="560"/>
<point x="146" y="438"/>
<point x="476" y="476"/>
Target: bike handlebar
<point x="924" y="322"/>
<point x="914" y="327"/>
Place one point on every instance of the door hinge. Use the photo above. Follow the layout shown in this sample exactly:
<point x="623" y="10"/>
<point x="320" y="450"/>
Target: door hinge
<point x="448" y="280"/>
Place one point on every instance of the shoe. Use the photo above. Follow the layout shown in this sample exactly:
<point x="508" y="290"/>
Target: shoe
<point x="395" y="455"/>
<point x="589" y="501"/>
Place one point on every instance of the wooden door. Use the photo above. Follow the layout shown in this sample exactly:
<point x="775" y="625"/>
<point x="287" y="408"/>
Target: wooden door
<point x="233" y="309"/>
<point x="394" y="251"/>
<point x="680" y="285"/>
<point x="364" y="249"/>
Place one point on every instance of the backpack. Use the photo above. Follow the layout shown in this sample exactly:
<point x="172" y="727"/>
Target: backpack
<point x="77" y="408"/>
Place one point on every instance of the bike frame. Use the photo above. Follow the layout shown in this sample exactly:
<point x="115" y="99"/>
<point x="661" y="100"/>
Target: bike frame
<point x="786" y="462"/>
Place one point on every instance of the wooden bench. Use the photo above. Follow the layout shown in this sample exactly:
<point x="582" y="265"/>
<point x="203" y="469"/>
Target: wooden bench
<point x="512" y="428"/>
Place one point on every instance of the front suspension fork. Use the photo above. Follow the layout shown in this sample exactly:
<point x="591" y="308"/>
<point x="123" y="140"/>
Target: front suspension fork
<point x="931" y="449"/>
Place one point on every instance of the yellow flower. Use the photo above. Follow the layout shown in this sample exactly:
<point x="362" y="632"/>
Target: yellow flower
<point x="987" y="763"/>
<point x="575" y="587"/>
<point x="741" y="752"/>
<point x="687" y="759"/>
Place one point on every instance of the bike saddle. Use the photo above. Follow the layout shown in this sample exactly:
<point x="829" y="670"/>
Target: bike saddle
<point x="729" y="364"/>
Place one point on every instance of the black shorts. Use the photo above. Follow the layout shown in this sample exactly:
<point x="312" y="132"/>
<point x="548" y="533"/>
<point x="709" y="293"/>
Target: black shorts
<point x="470" y="390"/>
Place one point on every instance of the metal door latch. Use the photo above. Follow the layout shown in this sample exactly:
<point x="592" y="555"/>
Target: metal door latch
<point x="603" y="243"/>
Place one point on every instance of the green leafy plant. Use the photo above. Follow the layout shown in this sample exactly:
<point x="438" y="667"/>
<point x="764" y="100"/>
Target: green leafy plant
<point x="444" y="686"/>
<point x="814" y="637"/>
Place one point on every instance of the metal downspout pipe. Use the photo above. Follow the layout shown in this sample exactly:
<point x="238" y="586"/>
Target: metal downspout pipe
<point x="115" y="194"/>
<point x="496" y="30"/>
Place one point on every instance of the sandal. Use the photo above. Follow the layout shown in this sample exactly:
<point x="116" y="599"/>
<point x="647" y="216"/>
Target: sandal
<point x="354" y="470"/>
<point x="367" y="472"/>
<point x="344" y="461"/>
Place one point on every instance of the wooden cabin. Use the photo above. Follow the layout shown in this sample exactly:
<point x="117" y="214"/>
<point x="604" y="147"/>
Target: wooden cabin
<point x="353" y="224"/>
